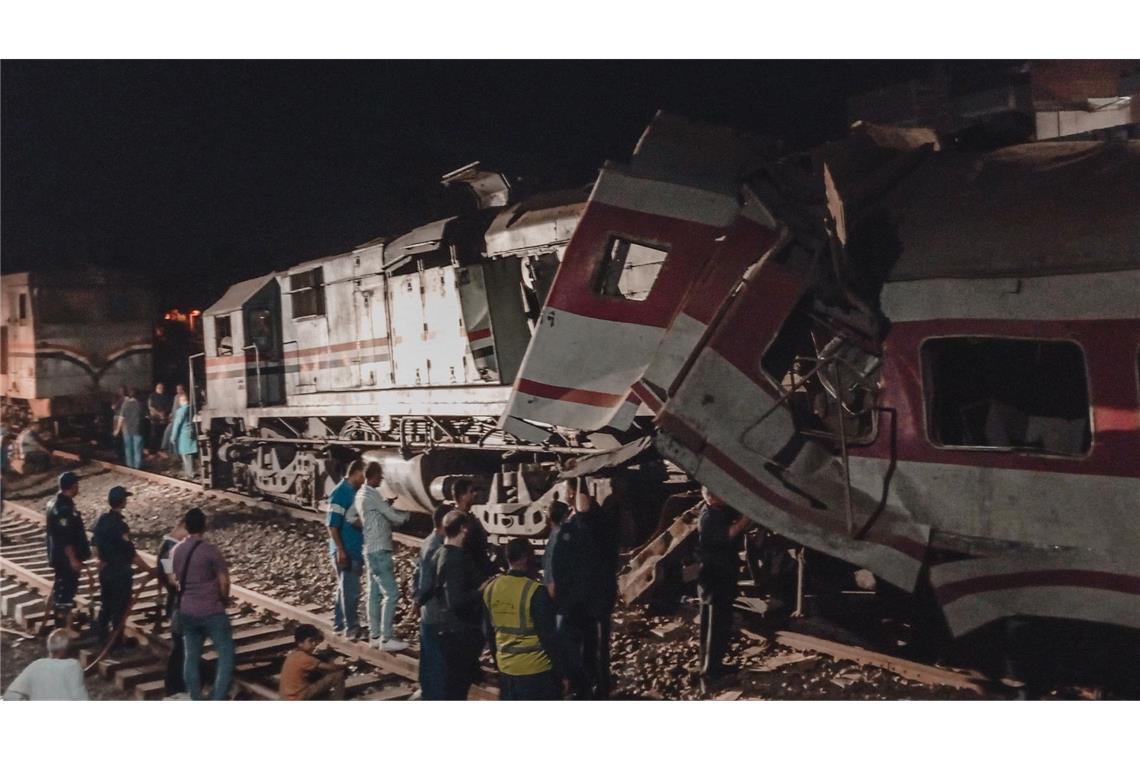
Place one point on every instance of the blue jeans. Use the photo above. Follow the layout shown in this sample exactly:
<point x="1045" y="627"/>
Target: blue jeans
<point x="345" y="617"/>
<point x="132" y="450"/>
<point x="433" y="685"/>
<point x="381" y="582"/>
<point x="194" y="632"/>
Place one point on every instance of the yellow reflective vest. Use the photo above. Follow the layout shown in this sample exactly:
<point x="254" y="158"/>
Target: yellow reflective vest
<point x="517" y="648"/>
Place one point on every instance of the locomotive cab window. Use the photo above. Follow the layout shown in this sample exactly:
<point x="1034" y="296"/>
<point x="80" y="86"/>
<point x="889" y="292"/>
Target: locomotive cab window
<point x="307" y="290"/>
<point x="629" y="269"/>
<point x="1007" y="394"/>
<point x="223" y="336"/>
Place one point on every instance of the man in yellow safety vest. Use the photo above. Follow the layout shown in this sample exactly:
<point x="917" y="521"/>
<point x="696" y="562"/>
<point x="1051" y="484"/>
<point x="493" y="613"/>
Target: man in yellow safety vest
<point x="520" y="618"/>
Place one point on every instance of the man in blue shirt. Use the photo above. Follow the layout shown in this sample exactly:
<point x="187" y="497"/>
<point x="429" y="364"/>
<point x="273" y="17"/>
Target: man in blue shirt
<point x="346" y="549"/>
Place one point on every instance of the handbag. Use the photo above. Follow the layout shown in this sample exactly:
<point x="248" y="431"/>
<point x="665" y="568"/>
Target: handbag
<point x="176" y="615"/>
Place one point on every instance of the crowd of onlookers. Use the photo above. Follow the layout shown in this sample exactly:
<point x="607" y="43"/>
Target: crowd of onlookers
<point x="150" y="426"/>
<point x="164" y="428"/>
<point x="547" y="628"/>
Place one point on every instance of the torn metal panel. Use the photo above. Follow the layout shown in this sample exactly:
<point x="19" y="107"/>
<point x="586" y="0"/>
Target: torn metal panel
<point x="1071" y="583"/>
<point x="593" y="464"/>
<point x="491" y="189"/>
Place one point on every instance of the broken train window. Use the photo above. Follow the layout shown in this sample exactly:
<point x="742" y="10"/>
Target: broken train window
<point x="307" y="290"/>
<point x="1007" y="393"/>
<point x="820" y="372"/>
<point x="629" y="269"/>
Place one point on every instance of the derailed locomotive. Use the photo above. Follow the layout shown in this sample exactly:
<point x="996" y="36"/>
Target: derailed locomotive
<point x="920" y="362"/>
<point x="402" y="350"/>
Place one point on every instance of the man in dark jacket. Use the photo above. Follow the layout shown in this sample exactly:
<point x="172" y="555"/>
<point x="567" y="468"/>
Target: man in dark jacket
<point x="67" y="549"/>
<point x="455" y="609"/>
<point x="583" y="567"/>
<point x="117" y="560"/>
<point x="432" y="671"/>
<point x="477" y="546"/>
<point x="720" y="565"/>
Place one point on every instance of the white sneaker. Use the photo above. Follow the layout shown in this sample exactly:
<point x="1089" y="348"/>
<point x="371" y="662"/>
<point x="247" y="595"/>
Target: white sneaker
<point x="394" y="645"/>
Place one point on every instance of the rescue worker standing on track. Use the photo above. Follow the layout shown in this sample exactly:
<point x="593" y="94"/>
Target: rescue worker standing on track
<point x="117" y="558"/>
<point x="716" y="584"/>
<point x="520" y="618"/>
<point x="67" y="549"/>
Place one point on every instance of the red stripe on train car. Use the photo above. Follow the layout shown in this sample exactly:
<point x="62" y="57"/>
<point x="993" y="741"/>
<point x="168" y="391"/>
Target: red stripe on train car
<point x="573" y="395"/>
<point x="1098" y="579"/>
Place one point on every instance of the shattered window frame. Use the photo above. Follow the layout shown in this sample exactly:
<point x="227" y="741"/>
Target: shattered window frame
<point x="787" y="359"/>
<point x="614" y="268"/>
<point x="933" y="430"/>
<point x="307" y="294"/>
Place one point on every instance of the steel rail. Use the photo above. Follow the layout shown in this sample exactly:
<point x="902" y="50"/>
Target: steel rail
<point x="397" y="664"/>
<point x="414" y="542"/>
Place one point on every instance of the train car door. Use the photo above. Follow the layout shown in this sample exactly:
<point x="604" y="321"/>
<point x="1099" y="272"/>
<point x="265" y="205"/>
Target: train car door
<point x="264" y="365"/>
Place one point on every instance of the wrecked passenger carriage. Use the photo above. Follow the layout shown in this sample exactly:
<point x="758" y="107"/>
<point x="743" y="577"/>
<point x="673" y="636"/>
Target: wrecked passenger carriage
<point x="923" y="363"/>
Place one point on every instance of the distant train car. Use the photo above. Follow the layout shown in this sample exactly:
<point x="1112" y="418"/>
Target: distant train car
<point x="70" y="339"/>
<point x="402" y="350"/>
<point x="923" y="363"/>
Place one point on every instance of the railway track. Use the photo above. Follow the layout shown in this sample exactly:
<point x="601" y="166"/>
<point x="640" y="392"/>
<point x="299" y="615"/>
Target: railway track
<point x="261" y="621"/>
<point x="406" y="539"/>
<point x="262" y="627"/>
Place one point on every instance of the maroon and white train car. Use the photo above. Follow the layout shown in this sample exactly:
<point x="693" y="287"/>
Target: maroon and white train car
<point x="921" y="361"/>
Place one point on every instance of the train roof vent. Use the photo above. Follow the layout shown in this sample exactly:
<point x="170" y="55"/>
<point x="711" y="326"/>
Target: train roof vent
<point x="491" y="189"/>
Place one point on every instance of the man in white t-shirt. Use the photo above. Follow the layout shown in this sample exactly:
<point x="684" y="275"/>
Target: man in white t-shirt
<point x="56" y="676"/>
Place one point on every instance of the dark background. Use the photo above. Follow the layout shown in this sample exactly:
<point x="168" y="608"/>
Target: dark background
<point x="199" y="174"/>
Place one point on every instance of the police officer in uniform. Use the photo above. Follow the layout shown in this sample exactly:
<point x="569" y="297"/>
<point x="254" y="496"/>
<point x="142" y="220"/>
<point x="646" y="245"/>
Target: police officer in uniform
<point x="67" y="549"/>
<point x="716" y="584"/>
<point x="117" y="558"/>
<point x="520" y="619"/>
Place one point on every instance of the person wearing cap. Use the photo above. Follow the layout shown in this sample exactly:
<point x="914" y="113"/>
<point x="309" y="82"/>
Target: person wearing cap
<point x="67" y="549"/>
<point x="117" y="558"/>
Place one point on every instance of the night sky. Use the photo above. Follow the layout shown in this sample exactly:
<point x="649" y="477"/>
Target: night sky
<point x="201" y="174"/>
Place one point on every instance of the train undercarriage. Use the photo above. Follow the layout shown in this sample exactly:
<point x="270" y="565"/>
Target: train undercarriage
<point x="299" y="460"/>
